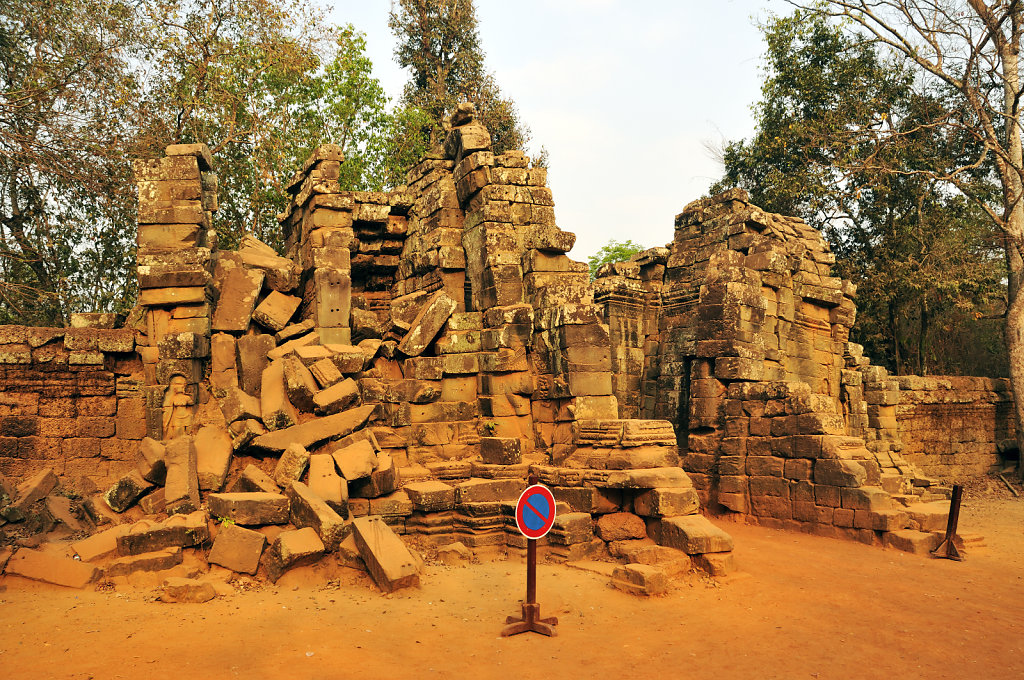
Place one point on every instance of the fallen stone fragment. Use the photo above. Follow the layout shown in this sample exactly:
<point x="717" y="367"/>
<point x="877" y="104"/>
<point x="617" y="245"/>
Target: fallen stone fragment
<point x="61" y="571"/>
<point x="316" y="431"/>
<point x="181" y="489"/>
<point x="278" y="412"/>
<point x="291" y="465"/>
<point x="640" y="579"/>
<point x="187" y="590"/>
<point x="255" y="479"/>
<point x="238" y="293"/>
<point x="356" y="461"/>
<point x="253" y="357"/>
<point x="276" y="310"/>
<point x="309" y="510"/>
<point x="387" y="559"/>
<point x="157" y="560"/>
<point x="213" y="457"/>
<point x="238" y="405"/>
<point x="180" y="530"/>
<point x="291" y="549"/>
<point x="99" y="512"/>
<point x="299" y="384"/>
<point x="254" y="508"/>
<point x="101" y="544"/>
<point x="237" y="549"/>
<point x="337" y="397"/>
<point x="61" y="509"/>
<point x="694" y="534"/>
<point x="454" y="554"/>
<point x="325" y="482"/>
<point x="154" y="502"/>
<point x="243" y="432"/>
<point x="151" y="461"/>
<point x="126" y="491"/>
<point x="383" y="480"/>
<point x="427" y="324"/>
<point x="34" y="488"/>
<point x="326" y="372"/>
<point x="716" y="564"/>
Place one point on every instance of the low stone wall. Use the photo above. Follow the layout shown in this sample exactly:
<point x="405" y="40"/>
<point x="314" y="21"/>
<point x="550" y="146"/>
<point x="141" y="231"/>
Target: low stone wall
<point x="950" y="426"/>
<point x="68" y="401"/>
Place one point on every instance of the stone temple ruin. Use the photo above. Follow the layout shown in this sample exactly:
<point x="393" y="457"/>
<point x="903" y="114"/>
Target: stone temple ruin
<point x="417" y="353"/>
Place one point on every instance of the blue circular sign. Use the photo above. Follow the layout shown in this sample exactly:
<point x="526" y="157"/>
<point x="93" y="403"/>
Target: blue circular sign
<point x="535" y="511"/>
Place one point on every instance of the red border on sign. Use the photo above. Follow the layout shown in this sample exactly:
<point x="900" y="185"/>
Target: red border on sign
<point x="521" y="525"/>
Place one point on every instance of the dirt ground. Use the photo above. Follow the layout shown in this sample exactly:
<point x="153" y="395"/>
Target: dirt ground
<point x="801" y="607"/>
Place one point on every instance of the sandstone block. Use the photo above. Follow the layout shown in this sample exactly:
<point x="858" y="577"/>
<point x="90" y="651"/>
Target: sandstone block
<point x="326" y="372"/>
<point x="427" y="324"/>
<point x="430" y="496"/>
<point x="336" y="398"/>
<point x="666" y="502"/>
<point x="278" y="411"/>
<point x="179" y="530"/>
<point x="299" y="383"/>
<point x="238" y="405"/>
<point x="237" y="549"/>
<point x="501" y="450"/>
<point x="620" y="526"/>
<point x="40" y="566"/>
<point x="255" y="479"/>
<point x="181" y="487"/>
<point x="157" y="560"/>
<point x="187" y="590"/>
<point x="844" y="473"/>
<point x="316" y="431"/>
<point x="488" y="490"/>
<point x="291" y="465"/>
<point x="293" y="548"/>
<point x="309" y="510"/>
<point x="387" y="559"/>
<point x="101" y="544"/>
<point x="383" y="480"/>
<point x="213" y="456"/>
<point x="126" y="491"/>
<point x="276" y="310"/>
<point x="640" y="579"/>
<point x="357" y="460"/>
<point x="694" y="534"/>
<point x="34" y="488"/>
<point x="238" y="293"/>
<point x="253" y="358"/>
<point x="326" y="483"/>
<point x="251" y="508"/>
<point x="151" y="460"/>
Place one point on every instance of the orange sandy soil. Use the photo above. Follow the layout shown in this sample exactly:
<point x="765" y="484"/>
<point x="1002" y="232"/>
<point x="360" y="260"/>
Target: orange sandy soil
<point x="801" y="607"/>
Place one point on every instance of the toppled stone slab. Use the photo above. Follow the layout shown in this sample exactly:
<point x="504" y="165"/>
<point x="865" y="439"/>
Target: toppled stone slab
<point x="640" y="579"/>
<point x="101" y="544"/>
<point x="694" y="534"/>
<point x="276" y="310"/>
<point x="126" y="491"/>
<point x="387" y="559"/>
<point x="181" y="489"/>
<point x="255" y="479"/>
<point x="336" y="398"/>
<point x="213" y="457"/>
<point x="427" y="324"/>
<point x="157" y="560"/>
<point x="180" y="530"/>
<point x="34" y="488"/>
<point x="315" y="431"/>
<point x="187" y="590"/>
<point x="291" y="465"/>
<point x="238" y="293"/>
<point x="309" y="510"/>
<point x="61" y="571"/>
<point x="292" y="549"/>
<point x="383" y="480"/>
<point x="151" y="461"/>
<point x="278" y="411"/>
<point x="250" y="508"/>
<point x="357" y="460"/>
<point x="237" y="549"/>
<point x="326" y="483"/>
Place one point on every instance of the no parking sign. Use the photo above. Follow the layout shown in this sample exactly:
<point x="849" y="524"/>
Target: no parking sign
<point x="535" y="511"/>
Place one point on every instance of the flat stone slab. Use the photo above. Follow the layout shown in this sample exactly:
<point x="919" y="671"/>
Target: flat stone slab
<point x="180" y="530"/>
<point x="157" y="560"/>
<point x="317" y="431"/>
<point x="387" y="559"/>
<point x="61" y="571"/>
<point x="694" y="535"/>
<point x="101" y="544"/>
<point x="237" y="549"/>
<point x="252" y="508"/>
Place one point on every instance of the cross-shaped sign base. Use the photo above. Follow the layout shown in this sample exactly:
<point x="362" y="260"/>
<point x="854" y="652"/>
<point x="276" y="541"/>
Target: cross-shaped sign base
<point x="530" y="621"/>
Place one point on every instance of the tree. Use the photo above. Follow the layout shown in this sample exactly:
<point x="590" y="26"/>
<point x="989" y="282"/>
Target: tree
<point x="613" y="251"/>
<point x="972" y="49"/>
<point x="264" y="83"/>
<point x="438" y="42"/>
<point x="922" y="256"/>
<point x="66" y="227"/>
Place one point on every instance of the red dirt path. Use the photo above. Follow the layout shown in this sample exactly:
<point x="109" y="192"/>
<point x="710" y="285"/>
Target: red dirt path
<point x="803" y="607"/>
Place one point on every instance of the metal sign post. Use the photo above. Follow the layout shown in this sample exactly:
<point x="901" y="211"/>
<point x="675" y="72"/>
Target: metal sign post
<point x="535" y="514"/>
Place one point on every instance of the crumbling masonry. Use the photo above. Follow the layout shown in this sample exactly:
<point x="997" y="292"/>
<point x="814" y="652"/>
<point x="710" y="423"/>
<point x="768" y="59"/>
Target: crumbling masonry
<point x="417" y="353"/>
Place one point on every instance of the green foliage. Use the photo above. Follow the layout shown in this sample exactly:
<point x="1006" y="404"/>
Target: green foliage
<point x="613" y="251"/>
<point x="925" y="258"/>
<point x="437" y="41"/>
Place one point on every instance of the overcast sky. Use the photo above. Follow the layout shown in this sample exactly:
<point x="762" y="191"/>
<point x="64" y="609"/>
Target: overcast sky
<point x="624" y="94"/>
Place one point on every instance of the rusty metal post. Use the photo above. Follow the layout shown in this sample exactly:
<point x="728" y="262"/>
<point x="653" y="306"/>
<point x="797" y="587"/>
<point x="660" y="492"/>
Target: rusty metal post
<point x="948" y="549"/>
<point x="531" y="619"/>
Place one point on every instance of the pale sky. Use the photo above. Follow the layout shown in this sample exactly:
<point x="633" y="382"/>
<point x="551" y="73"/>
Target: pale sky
<point x="624" y="94"/>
